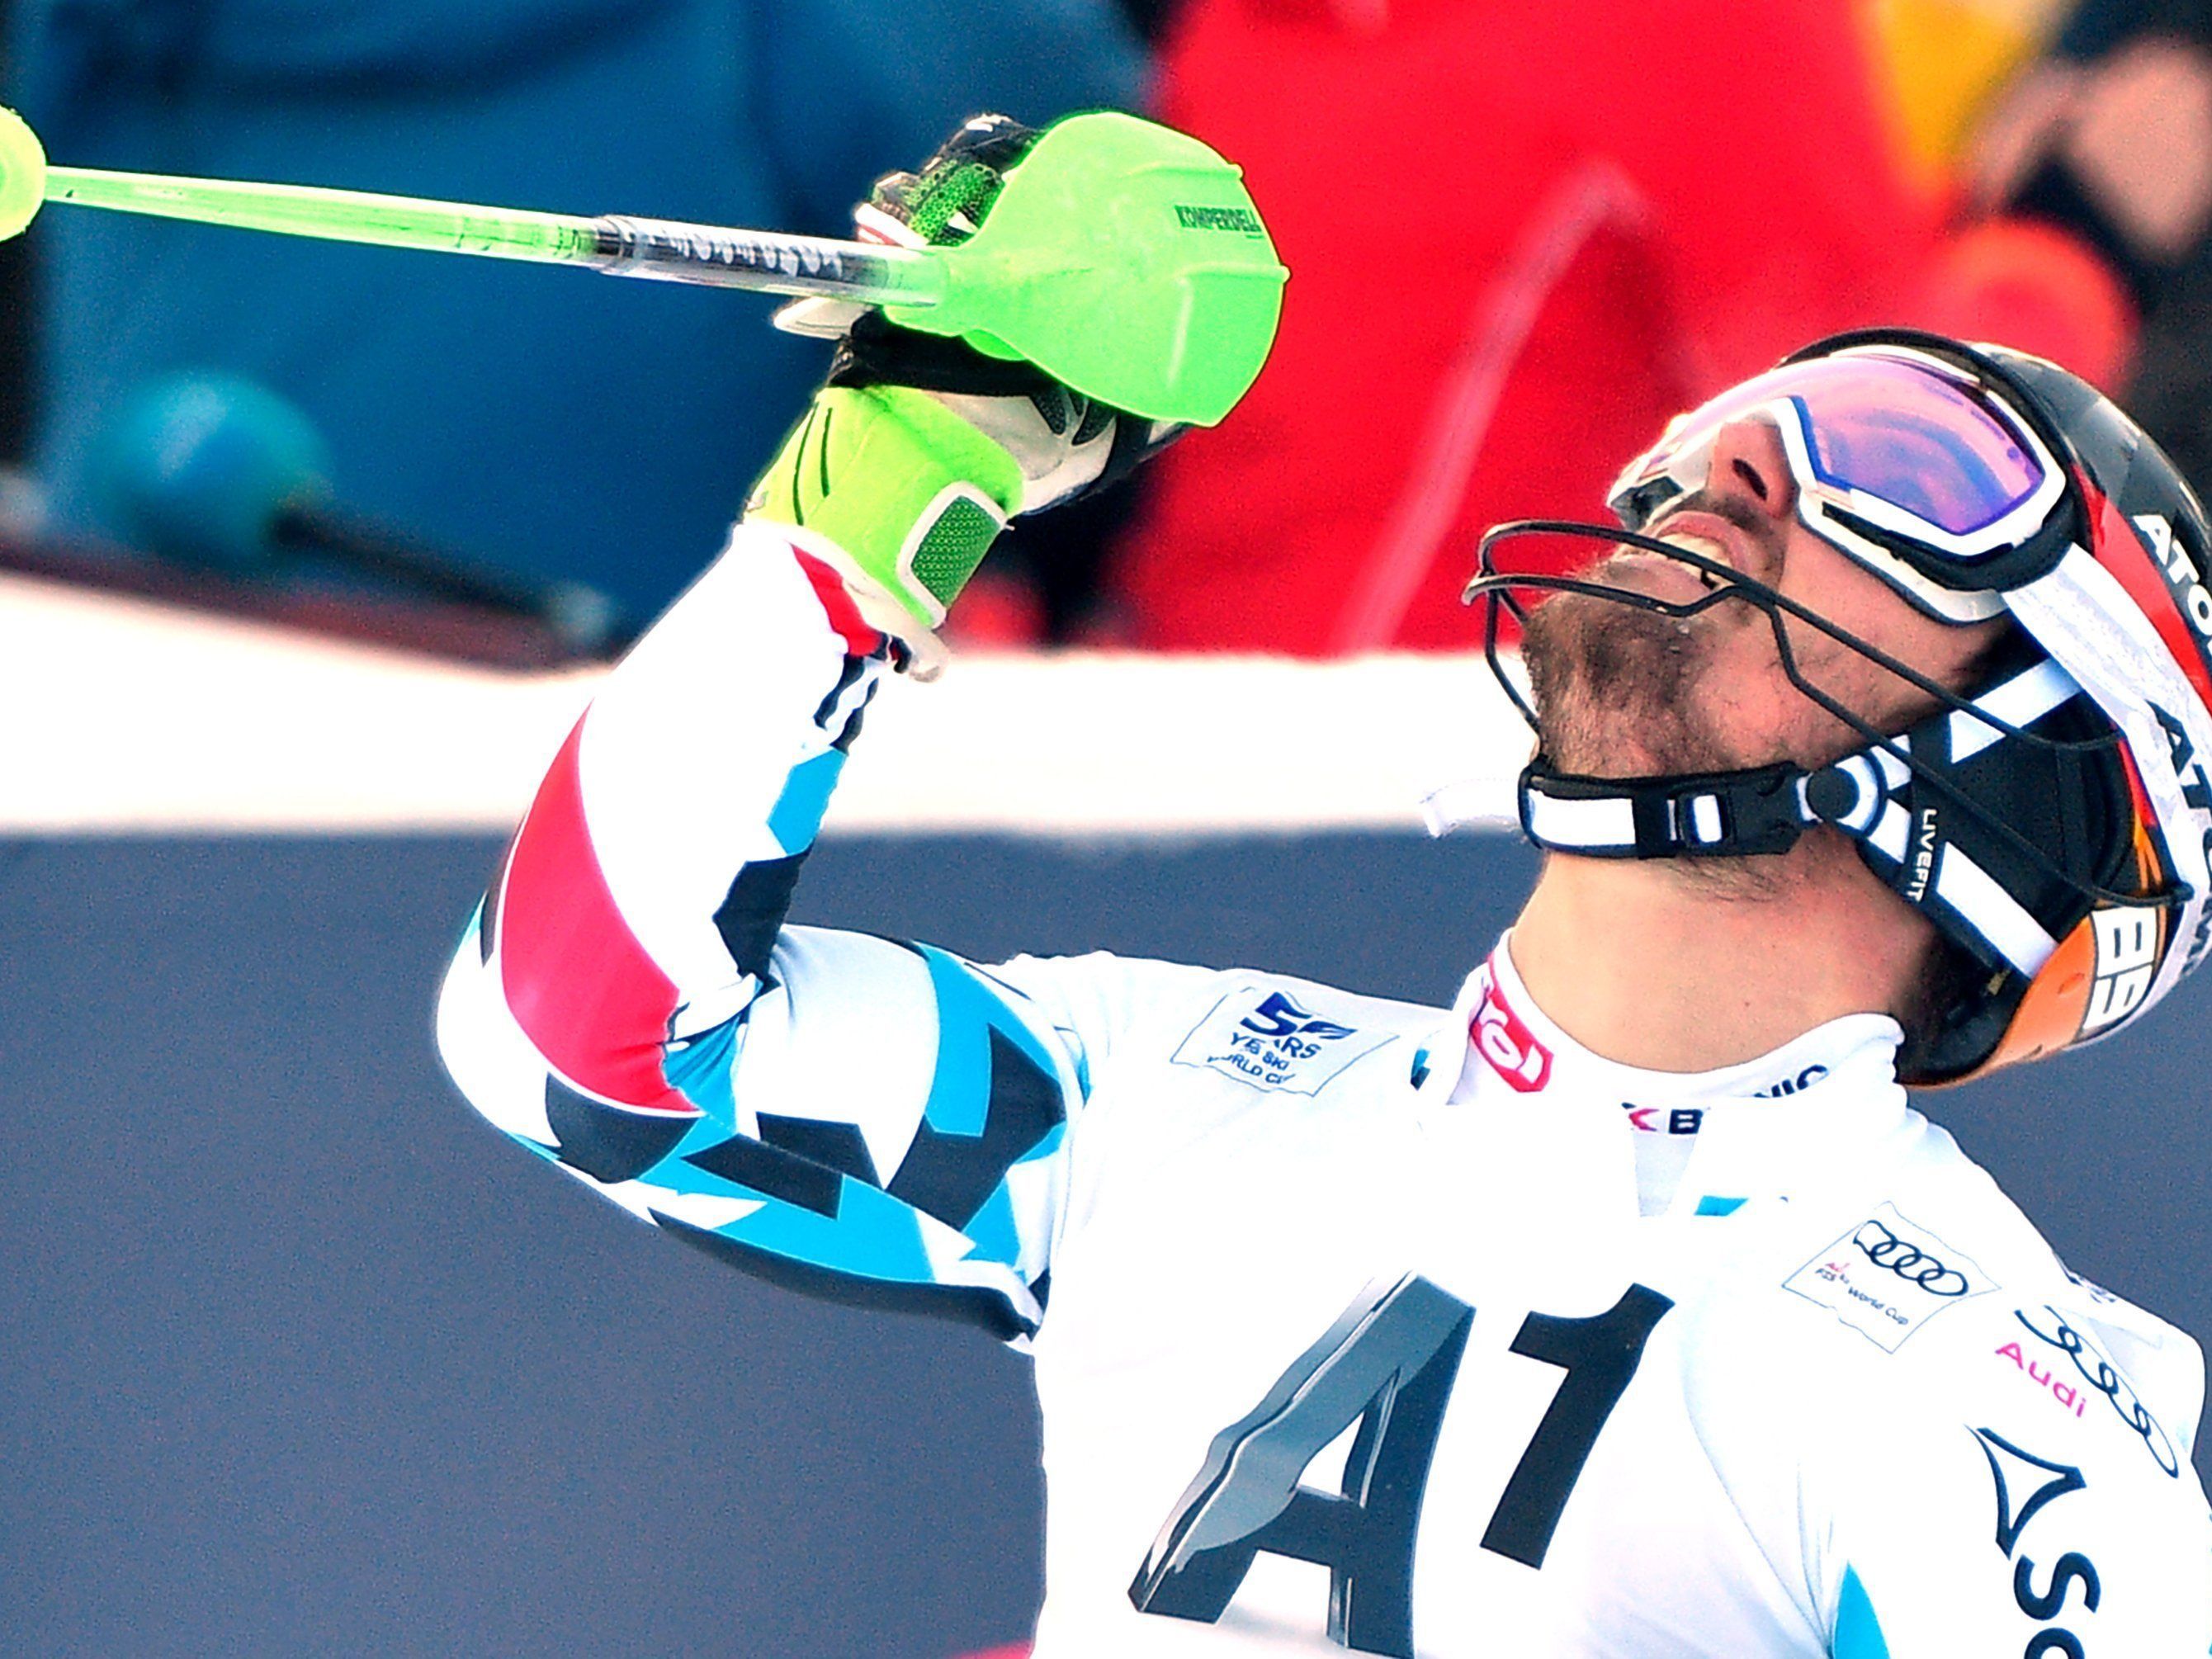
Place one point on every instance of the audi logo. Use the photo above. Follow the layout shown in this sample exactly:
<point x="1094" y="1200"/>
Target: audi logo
<point x="1908" y="1262"/>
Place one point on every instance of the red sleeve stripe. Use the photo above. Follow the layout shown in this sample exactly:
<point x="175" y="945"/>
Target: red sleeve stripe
<point x="860" y="639"/>
<point x="579" y="983"/>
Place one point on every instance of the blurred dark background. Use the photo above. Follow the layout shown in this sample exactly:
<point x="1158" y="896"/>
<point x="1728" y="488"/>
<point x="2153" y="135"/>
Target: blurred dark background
<point x="2028" y="170"/>
<point x="540" y="426"/>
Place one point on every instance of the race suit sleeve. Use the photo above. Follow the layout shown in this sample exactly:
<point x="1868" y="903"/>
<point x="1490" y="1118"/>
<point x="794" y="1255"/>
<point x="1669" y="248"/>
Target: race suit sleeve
<point x="878" y="1122"/>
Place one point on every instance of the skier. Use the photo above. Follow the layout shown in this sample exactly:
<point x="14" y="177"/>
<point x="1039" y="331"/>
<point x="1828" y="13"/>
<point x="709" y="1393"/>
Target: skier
<point x="1626" y="1308"/>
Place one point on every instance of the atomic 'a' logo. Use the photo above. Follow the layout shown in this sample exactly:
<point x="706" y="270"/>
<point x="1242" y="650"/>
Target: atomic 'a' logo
<point x="2159" y="534"/>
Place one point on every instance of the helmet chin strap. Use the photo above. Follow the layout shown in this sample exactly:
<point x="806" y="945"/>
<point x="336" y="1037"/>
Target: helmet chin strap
<point x="1904" y="801"/>
<point x="2005" y="819"/>
<point x="1695" y="815"/>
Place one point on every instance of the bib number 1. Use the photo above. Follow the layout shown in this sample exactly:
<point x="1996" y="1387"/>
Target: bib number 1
<point x="1388" y="1365"/>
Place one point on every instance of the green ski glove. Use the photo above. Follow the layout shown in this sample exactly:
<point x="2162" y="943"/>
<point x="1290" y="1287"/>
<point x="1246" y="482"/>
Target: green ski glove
<point x="908" y="493"/>
<point x="920" y="448"/>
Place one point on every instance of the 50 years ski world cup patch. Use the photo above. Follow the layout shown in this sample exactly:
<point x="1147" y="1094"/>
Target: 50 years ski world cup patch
<point x="1269" y="1040"/>
<point x="1887" y="1277"/>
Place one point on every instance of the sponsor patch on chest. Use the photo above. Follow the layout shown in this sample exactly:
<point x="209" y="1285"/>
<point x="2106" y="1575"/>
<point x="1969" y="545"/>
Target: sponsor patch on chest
<point x="1887" y="1277"/>
<point x="1268" y="1040"/>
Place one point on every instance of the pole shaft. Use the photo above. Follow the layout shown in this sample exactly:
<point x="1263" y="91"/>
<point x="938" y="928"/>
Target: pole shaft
<point x="868" y="272"/>
<point x="665" y="250"/>
<point x="333" y="215"/>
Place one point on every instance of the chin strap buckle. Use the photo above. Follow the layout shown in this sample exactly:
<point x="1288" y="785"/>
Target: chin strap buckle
<point x="1708" y="815"/>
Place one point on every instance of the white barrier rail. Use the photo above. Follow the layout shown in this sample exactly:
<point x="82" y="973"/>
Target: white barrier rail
<point x="129" y="716"/>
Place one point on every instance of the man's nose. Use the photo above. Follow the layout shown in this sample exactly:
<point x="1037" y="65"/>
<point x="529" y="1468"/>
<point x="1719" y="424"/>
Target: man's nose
<point x="1750" y="464"/>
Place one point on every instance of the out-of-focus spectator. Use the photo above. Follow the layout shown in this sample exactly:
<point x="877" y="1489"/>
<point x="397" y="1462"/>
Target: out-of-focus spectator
<point x="1943" y="61"/>
<point x="1587" y="218"/>
<point x="2111" y="136"/>
<point x="2117" y="142"/>
<point x="546" y="422"/>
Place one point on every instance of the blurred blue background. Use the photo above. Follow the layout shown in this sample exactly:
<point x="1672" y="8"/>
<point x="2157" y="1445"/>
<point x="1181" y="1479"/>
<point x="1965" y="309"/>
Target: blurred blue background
<point x="545" y="421"/>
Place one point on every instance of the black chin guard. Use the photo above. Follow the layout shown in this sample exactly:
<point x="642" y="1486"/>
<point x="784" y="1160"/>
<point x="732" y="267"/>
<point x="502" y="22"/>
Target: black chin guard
<point x="1699" y="815"/>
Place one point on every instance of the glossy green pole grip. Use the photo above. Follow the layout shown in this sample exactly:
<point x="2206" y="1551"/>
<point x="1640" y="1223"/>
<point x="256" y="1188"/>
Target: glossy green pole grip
<point x="1126" y="260"/>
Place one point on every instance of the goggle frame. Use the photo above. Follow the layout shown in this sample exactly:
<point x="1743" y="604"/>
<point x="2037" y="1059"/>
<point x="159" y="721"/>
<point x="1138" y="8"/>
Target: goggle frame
<point x="1941" y="572"/>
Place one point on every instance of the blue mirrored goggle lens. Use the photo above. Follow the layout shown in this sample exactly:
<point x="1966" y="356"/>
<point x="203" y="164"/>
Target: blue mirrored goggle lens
<point x="1891" y="429"/>
<point x="1919" y="443"/>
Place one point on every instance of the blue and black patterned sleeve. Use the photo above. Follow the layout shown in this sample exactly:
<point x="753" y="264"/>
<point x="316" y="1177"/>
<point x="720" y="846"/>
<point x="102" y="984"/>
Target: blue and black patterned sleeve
<point x="878" y="1123"/>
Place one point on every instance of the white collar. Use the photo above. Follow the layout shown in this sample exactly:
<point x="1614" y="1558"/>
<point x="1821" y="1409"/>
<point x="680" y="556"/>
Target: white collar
<point x="1808" y="1113"/>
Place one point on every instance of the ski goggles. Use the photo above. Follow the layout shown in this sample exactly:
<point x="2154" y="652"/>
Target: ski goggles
<point x="1909" y="465"/>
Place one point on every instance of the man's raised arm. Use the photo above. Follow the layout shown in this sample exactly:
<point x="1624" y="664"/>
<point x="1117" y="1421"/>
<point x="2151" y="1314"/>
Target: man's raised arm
<point x="871" y="1121"/>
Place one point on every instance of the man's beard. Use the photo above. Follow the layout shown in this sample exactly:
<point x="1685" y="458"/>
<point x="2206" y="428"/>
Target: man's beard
<point x="1618" y="693"/>
<point x="1616" y="688"/>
